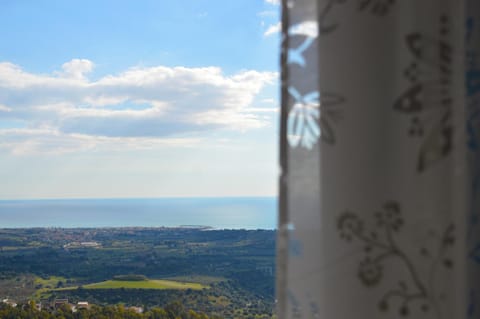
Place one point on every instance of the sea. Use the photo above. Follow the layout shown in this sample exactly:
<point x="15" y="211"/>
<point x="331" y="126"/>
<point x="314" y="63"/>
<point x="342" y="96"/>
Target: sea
<point x="217" y="213"/>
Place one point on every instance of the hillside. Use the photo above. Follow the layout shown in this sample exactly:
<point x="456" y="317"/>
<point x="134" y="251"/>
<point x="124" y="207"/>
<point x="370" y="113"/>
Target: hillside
<point x="229" y="273"/>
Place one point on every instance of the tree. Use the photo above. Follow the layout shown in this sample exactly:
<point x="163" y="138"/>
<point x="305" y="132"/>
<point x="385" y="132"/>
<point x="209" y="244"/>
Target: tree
<point x="157" y="313"/>
<point x="174" y="310"/>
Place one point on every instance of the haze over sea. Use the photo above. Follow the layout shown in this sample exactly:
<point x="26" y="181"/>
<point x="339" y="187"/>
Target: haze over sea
<point x="219" y="213"/>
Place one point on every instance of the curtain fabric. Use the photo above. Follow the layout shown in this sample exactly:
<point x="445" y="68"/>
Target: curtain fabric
<point x="380" y="138"/>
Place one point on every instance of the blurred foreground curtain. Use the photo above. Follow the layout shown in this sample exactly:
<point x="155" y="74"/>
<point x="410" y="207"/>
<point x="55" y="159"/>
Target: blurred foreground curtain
<point x="380" y="138"/>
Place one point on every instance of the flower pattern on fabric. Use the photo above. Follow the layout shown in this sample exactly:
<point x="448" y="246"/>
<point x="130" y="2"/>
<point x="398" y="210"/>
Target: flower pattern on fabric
<point x="390" y="216"/>
<point x="370" y="272"/>
<point x="375" y="7"/>
<point x="403" y="277"/>
<point x="306" y="34"/>
<point x="349" y="224"/>
<point x="312" y="116"/>
<point x="415" y="292"/>
<point x="428" y="100"/>
<point x="303" y="118"/>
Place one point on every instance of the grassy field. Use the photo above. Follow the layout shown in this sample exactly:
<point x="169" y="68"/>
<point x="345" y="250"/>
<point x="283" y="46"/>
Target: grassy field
<point x="51" y="282"/>
<point x="43" y="286"/>
<point x="146" y="284"/>
<point x="205" y="280"/>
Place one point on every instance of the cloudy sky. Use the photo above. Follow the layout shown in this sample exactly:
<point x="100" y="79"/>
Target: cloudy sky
<point x="145" y="98"/>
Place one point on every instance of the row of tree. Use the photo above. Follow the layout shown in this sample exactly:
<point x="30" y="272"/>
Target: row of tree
<point x="173" y="310"/>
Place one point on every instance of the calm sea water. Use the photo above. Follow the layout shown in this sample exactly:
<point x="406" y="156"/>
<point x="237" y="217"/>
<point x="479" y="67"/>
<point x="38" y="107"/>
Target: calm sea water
<point x="231" y="213"/>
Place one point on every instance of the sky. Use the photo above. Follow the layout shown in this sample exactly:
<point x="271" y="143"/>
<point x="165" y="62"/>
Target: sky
<point x="144" y="98"/>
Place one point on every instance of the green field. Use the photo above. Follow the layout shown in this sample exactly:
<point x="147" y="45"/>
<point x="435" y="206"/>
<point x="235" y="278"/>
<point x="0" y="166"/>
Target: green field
<point x="146" y="284"/>
<point x="205" y="280"/>
<point x="51" y="282"/>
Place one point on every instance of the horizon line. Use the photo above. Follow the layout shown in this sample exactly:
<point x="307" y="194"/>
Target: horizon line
<point x="137" y="198"/>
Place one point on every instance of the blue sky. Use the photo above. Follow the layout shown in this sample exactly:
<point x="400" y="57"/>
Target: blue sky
<point x="138" y="98"/>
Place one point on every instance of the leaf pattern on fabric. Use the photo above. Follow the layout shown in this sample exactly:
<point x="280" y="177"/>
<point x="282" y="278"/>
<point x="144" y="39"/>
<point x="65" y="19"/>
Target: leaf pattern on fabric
<point x="428" y="100"/>
<point x="311" y="117"/>
<point x="378" y="8"/>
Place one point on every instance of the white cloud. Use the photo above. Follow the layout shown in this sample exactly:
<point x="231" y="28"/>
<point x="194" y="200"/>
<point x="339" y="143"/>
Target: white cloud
<point x="272" y="29"/>
<point x="263" y="110"/>
<point x="307" y="28"/>
<point x="275" y="2"/>
<point x="141" y="103"/>
<point x="268" y="13"/>
<point x="4" y="108"/>
<point x="269" y="101"/>
<point x="51" y="142"/>
<point x="77" y="68"/>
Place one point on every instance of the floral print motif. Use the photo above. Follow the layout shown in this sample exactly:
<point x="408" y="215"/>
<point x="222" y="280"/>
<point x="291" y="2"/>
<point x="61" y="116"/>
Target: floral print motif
<point x="311" y="117"/>
<point x="311" y="114"/>
<point x="415" y="292"/>
<point x="349" y="225"/>
<point x="303" y="119"/>
<point x="390" y="216"/>
<point x="306" y="33"/>
<point x="376" y="7"/>
<point x="428" y="100"/>
<point x="370" y="272"/>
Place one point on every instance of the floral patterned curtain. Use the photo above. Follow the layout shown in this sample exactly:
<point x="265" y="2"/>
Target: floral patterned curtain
<point x="380" y="138"/>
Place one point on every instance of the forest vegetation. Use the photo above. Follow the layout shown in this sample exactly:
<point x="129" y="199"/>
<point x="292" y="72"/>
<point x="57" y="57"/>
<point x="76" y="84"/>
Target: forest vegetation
<point x="206" y="273"/>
